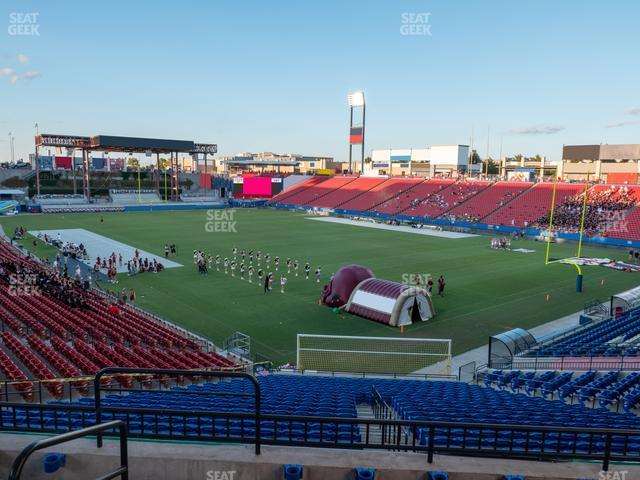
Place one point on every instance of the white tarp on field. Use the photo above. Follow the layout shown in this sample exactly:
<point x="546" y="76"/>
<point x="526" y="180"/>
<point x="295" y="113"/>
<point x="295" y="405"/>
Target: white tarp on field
<point x="100" y="246"/>
<point x="432" y="232"/>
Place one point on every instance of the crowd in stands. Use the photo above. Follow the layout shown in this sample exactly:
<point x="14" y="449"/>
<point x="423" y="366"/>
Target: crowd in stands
<point x="55" y="284"/>
<point x="445" y="199"/>
<point x="604" y="208"/>
<point x="462" y="217"/>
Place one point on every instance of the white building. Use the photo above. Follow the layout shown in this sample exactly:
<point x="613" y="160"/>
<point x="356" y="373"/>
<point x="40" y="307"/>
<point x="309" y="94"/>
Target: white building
<point x="430" y="161"/>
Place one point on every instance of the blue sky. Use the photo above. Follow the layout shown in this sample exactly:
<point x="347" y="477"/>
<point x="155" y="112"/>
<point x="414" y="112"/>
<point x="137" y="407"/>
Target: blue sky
<point x="274" y="75"/>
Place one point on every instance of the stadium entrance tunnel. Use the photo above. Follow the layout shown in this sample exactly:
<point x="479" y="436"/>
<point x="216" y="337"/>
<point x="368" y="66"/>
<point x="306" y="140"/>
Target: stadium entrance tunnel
<point x="392" y="303"/>
<point x="336" y="293"/>
<point x="506" y="345"/>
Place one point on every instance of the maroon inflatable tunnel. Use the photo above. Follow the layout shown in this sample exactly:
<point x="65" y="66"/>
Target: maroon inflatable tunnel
<point x="336" y="293"/>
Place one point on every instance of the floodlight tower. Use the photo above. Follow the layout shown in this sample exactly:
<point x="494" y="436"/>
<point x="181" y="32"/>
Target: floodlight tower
<point x="356" y="130"/>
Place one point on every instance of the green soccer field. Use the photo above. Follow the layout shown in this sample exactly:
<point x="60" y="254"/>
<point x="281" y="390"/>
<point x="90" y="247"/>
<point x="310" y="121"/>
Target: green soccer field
<point x="487" y="291"/>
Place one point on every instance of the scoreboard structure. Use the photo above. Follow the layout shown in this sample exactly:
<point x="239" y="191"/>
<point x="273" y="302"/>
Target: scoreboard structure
<point x="256" y="186"/>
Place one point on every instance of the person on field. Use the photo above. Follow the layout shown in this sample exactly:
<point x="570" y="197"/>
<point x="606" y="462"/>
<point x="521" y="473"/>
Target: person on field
<point x="441" y="285"/>
<point x="283" y="282"/>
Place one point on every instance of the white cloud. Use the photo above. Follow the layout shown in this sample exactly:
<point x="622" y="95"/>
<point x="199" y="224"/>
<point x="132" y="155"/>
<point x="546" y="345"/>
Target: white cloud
<point x="624" y="123"/>
<point x="30" y="75"/>
<point x="633" y="111"/>
<point x="14" y="76"/>
<point x="538" y="130"/>
<point x="23" y="59"/>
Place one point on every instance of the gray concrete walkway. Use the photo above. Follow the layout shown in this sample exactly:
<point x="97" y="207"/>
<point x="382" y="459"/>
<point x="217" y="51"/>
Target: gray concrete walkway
<point x="182" y="461"/>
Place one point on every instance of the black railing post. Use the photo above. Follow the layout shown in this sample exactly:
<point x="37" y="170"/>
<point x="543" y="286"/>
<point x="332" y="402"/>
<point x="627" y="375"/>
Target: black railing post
<point x="607" y="453"/>
<point x="257" y="414"/>
<point x="432" y="432"/>
<point x="98" y="405"/>
<point x="124" y="450"/>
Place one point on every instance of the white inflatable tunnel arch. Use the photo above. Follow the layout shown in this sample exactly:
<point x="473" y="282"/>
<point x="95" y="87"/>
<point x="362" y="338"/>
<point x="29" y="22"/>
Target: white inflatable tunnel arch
<point x="392" y="303"/>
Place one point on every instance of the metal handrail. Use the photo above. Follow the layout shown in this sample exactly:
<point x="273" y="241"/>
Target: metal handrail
<point x="122" y="471"/>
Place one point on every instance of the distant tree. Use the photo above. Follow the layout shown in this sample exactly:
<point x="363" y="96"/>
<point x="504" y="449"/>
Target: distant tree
<point x="490" y="167"/>
<point x="14" y="182"/>
<point x="475" y="158"/>
<point x="367" y="159"/>
<point x="133" y="162"/>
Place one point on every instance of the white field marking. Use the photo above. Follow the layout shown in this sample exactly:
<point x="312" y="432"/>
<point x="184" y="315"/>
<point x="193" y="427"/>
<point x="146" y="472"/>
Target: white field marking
<point x="394" y="228"/>
<point x="100" y="246"/>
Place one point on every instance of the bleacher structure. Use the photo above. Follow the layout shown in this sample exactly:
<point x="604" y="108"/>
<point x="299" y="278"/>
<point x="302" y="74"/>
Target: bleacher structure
<point x="614" y="337"/>
<point x="129" y="197"/>
<point x="44" y="339"/>
<point x="443" y="416"/>
<point x="503" y="203"/>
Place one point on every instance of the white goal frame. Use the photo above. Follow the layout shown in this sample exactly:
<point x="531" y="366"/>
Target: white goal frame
<point x="436" y="359"/>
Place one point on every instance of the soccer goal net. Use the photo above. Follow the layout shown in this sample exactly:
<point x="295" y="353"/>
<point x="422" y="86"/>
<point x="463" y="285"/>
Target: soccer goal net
<point x="373" y="354"/>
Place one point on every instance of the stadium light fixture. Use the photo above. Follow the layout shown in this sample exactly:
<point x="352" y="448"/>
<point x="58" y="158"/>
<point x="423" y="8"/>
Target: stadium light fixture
<point x="356" y="99"/>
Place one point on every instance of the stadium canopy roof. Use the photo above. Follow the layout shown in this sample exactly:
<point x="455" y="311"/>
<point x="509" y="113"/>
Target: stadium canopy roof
<point x="625" y="301"/>
<point x="11" y="191"/>
<point x="109" y="143"/>
<point x="504" y="346"/>
<point x="283" y="163"/>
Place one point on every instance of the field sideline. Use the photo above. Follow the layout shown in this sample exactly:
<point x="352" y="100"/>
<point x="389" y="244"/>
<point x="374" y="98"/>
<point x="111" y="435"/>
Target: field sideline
<point x="487" y="291"/>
